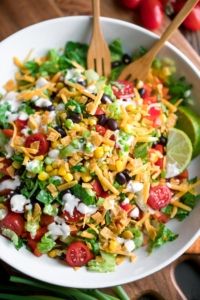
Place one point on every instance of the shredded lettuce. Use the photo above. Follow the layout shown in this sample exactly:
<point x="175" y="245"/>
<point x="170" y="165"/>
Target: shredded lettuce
<point x="15" y="239"/>
<point x="114" y="110"/>
<point x="106" y="265"/>
<point x="46" y="244"/>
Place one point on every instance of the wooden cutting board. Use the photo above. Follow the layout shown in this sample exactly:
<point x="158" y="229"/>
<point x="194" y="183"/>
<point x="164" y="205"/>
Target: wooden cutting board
<point x="15" y="15"/>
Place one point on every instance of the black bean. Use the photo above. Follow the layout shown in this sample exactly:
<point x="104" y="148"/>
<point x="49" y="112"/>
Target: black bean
<point x="102" y="119"/>
<point x="50" y="108"/>
<point x="126" y="58"/>
<point x="112" y="124"/>
<point x="82" y="82"/>
<point x="162" y="140"/>
<point x="76" y="118"/>
<point x="126" y="173"/>
<point x="121" y="178"/>
<point x="61" y="131"/>
<point x="141" y="91"/>
<point x="116" y="63"/>
<point x="106" y="99"/>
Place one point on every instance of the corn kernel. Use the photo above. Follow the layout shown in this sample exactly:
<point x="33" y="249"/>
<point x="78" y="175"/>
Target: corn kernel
<point x="49" y="168"/>
<point x="92" y="121"/>
<point x="68" y="177"/>
<point x="43" y="176"/>
<point x="59" y="85"/>
<point x="127" y="234"/>
<point x="106" y="148"/>
<point x="99" y="152"/>
<point x="86" y="177"/>
<point x="113" y="245"/>
<point x="62" y="171"/>
<point x="16" y="165"/>
<point x="119" y="166"/>
<point x="56" y="164"/>
<point x="128" y="128"/>
<point x="54" y="172"/>
<point x="130" y="108"/>
<point x="54" y="144"/>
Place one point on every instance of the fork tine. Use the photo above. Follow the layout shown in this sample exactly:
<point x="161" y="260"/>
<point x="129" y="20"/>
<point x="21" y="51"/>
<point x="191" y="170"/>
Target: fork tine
<point x="106" y="67"/>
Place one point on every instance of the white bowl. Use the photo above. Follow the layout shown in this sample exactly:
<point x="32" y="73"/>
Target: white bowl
<point x="54" y="34"/>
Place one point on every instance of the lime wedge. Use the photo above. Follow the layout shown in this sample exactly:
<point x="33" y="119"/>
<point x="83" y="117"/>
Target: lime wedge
<point x="179" y="152"/>
<point x="189" y="122"/>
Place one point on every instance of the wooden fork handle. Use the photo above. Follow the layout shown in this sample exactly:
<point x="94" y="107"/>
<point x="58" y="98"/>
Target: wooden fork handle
<point x="96" y="15"/>
<point x="173" y="25"/>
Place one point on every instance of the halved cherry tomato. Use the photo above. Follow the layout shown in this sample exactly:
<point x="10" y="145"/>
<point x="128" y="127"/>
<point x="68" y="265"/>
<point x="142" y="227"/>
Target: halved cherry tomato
<point x="8" y="132"/>
<point x="14" y="222"/>
<point x="77" y="216"/>
<point x="33" y="246"/>
<point x="151" y="13"/>
<point x="101" y="130"/>
<point x="127" y="207"/>
<point x="46" y="220"/>
<point x="123" y="88"/>
<point x="99" y="111"/>
<point x="20" y="124"/>
<point x="159" y="196"/>
<point x="78" y="254"/>
<point x="130" y="3"/>
<point x="97" y="187"/>
<point x="41" y="138"/>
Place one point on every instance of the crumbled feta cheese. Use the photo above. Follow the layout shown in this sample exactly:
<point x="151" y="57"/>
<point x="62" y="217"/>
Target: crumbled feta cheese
<point x="11" y="116"/>
<point x="172" y="170"/>
<point x="125" y="201"/>
<point x="86" y="210"/>
<point x="11" y="99"/>
<point x="41" y="82"/>
<point x="60" y="107"/>
<point x="25" y="131"/>
<point x="129" y="245"/>
<point x="23" y="116"/>
<point x="135" y="186"/>
<point x="135" y="213"/>
<point x="3" y="213"/>
<point x="58" y="228"/>
<point x="10" y="184"/>
<point x="120" y="240"/>
<point x="74" y="74"/>
<point x="34" y="166"/>
<point x="53" y="153"/>
<point x="17" y="203"/>
<point x="43" y="102"/>
<point x="70" y="203"/>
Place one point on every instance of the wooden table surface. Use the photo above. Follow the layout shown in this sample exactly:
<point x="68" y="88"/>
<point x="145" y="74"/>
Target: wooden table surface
<point x="15" y="15"/>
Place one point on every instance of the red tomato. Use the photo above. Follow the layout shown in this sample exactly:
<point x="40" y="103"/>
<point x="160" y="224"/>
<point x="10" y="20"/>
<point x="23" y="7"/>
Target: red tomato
<point x="8" y="132"/>
<point x="150" y="99"/>
<point x="192" y="21"/>
<point x="154" y="113"/>
<point x="21" y="124"/>
<point x="41" y="138"/>
<point x="148" y="90"/>
<point x="78" y="254"/>
<point x="97" y="187"/>
<point x="159" y="148"/>
<point x="39" y="234"/>
<point x="161" y="217"/>
<point x="46" y="220"/>
<point x="33" y="246"/>
<point x="159" y="196"/>
<point x="183" y="175"/>
<point x="99" y="111"/>
<point x="160" y="163"/>
<point x="6" y="164"/>
<point x="130" y="3"/>
<point x="101" y="130"/>
<point x="75" y="218"/>
<point x="127" y="207"/>
<point x="123" y="88"/>
<point x="151" y="13"/>
<point x="14" y="222"/>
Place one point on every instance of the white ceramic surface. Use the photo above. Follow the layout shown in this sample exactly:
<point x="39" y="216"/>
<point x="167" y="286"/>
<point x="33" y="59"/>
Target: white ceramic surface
<point x="53" y="34"/>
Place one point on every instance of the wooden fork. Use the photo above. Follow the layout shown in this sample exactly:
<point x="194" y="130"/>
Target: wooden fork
<point x="139" y="69"/>
<point x="98" y="57"/>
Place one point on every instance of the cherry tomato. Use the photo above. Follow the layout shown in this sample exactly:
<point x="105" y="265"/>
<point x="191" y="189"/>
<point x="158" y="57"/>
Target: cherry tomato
<point x="151" y="14"/>
<point x="127" y="207"/>
<point x="160" y="163"/>
<point x="101" y="130"/>
<point x="77" y="216"/>
<point x="46" y="220"/>
<point x="159" y="197"/>
<point x="161" y="217"/>
<point x="6" y="164"/>
<point x="39" y="234"/>
<point x="154" y="113"/>
<point x="8" y="132"/>
<point x="192" y="21"/>
<point x="123" y="88"/>
<point x="78" y="254"/>
<point x="41" y="138"/>
<point x="97" y="187"/>
<point x="33" y="246"/>
<point x="159" y="148"/>
<point x="14" y="222"/>
<point x="20" y="124"/>
<point x="150" y="99"/>
<point x="99" y="111"/>
<point x="183" y="175"/>
<point x="130" y="3"/>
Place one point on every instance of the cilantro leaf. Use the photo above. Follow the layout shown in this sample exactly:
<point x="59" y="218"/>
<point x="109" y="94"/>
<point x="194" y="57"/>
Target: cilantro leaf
<point x="164" y="235"/>
<point x="86" y="195"/>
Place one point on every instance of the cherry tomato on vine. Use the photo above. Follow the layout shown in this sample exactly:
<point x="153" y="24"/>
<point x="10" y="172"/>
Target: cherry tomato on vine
<point x="151" y="13"/>
<point x="130" y="3"/>
<point x="78" y="254"/>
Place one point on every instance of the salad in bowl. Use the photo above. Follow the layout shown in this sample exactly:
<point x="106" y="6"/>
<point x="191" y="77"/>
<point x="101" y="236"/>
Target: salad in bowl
<point x="93" y="168"/>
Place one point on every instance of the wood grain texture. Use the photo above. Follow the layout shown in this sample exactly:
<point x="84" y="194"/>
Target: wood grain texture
<point x="15" y="15"/>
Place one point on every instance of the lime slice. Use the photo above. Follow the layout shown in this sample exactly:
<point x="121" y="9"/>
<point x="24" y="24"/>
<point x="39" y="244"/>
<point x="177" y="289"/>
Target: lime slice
<point x="179" y="152"/>
<point x="189" y="122"/>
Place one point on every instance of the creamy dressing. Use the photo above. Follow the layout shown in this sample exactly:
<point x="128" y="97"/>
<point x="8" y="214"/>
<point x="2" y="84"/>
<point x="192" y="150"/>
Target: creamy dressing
<point x="70" y="203"/>
<point x="17" y="203"/>
<point x="43" y="102"/>
<point x="129" y="245"/>
<point x="10" y="184"/>
<point x="58" y="228"/>
<point x="23" y="116"/>
<point x="135" y="213"/>
<point x="41" y="82"/>
<point x="135" y="186"/>
<point x="86" y="209"/>
<point x="9" y="150"/>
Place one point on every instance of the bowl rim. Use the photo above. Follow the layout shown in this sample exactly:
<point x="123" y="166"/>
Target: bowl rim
<point x="22" y="268"/>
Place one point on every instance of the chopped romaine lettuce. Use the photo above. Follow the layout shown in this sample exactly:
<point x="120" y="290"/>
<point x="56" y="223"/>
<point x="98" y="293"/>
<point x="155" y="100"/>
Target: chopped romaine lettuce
<point x="106" y="265"/>
<point x="76" y="52"/>
<point x="3" y="116"/>
<point x="116" y="50"/>
<point x="44" y="197"/>
<point x="46" y="244"/>
<point x="115" y="110"/>
<point x="50" y="210"/>
<point x="11" y="235"/>
<point x="141" y="150"/>
<point x="86" y="195"/>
